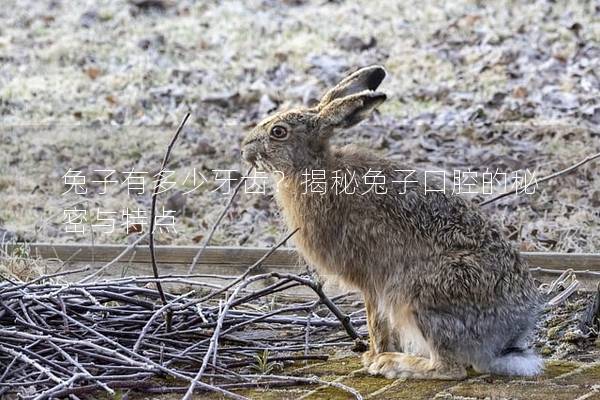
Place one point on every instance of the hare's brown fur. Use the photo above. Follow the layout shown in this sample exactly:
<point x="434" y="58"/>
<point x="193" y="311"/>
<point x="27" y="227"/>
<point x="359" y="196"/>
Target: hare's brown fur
<point x="443" y="289"/>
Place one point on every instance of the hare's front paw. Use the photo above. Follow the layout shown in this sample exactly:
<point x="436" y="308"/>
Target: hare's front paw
<point x="367" y="358"/>
<point x="390" y="365"/>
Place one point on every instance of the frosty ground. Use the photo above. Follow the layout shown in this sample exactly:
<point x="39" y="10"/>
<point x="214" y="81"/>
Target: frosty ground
<point x="505" y="86"/>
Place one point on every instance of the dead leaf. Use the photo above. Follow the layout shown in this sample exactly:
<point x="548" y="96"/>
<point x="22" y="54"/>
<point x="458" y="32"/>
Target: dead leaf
<point x="93" y="72"/>
<point x="520" y="92"/>
<point x="134" y="228"/>
<point x="112" y="100"/>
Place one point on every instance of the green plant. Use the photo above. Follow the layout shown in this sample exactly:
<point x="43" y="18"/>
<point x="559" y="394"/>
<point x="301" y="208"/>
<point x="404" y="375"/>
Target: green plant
<point x="263" y="366"/>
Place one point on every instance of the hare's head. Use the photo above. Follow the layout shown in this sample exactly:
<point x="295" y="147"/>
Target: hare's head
<point x="297" y="139"/>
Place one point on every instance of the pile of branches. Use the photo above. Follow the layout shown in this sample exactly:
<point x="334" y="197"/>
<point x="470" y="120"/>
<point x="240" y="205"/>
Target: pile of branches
<point x="65" y="340"/>
<point x="61" y="340"/>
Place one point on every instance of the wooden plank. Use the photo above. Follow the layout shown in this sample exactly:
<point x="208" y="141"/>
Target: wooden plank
<point x="243" y="256"/>
<point x="576" y="261"/>
<point x="164" y="254"/>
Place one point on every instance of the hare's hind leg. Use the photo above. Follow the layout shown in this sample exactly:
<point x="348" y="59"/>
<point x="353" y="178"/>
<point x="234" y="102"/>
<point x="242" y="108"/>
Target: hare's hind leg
<point x="418" y="359"/>
<point x="402" y="365"/>
<point x="380" y="337"/>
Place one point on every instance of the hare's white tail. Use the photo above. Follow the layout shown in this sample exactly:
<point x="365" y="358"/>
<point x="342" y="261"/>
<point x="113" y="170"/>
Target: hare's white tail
<point x="519" y="362"/>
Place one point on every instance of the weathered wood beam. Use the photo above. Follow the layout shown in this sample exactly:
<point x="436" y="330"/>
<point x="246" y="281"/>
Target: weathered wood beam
<point x="239" y="256"/>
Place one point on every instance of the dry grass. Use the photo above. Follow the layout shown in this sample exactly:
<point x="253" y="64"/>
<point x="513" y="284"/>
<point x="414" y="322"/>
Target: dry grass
<point x="20" y="266"/>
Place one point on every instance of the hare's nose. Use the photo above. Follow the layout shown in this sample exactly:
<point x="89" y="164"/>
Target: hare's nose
<point x="248" y="155"/>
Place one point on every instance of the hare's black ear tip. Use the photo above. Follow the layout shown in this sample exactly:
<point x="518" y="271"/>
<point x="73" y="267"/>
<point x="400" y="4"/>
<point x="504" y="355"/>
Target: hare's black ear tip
<point x="376" y="76"/>
<point x="378" y="98"/>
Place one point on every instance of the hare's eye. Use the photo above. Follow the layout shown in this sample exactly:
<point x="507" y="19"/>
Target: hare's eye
<point x="279" y="132"/>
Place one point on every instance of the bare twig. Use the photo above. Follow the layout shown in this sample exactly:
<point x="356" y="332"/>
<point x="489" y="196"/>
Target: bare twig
<point x="318" y="289"/>
<point x="544" y="179"/>
<point x="161" y="292"/>
<point x="33" y="363"/>
<point x="213" y="229"/>
<point x="115" y="260"/>
<point x="566" y="278"/>
<point x="249" y="270"/>
<point x="146" y="327"/>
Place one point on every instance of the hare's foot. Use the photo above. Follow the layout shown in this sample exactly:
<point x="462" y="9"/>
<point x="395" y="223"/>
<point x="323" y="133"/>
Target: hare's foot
<point x="380" y="339"/>
<point x="401" y="365"/>
<point x="368" y="357"/>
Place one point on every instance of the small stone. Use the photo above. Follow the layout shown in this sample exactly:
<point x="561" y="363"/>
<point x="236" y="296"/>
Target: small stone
<point x="135" y="228"/>
<point x="573" y="336"/>
<point x="354" y="43"/>
<point x="40" y="154"/>
<point x="235" y="177"/>
<point x="89" y="18"/>
<point x="592" y="114"/>
<point x="204" y="148"/>
<point x="576" y="28"/>
<point x="156" y="41"/>
<point x="496" y="100"/>
<point x="176" y="202"/>
<point x="111" y="99"/>
<point x="223" y="100"/>
<point x="144" y="44"/>
<point x="151" y="4"/>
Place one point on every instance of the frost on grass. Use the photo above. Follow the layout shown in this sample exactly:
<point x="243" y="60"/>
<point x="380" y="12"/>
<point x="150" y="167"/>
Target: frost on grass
<point x="502" y="85"/>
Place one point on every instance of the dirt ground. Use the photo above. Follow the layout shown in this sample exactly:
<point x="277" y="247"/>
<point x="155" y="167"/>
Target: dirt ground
<point x="503" y="86"/>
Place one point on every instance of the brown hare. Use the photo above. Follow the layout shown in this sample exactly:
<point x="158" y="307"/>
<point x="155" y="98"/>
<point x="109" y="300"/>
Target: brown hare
<point x="444" y="290"/>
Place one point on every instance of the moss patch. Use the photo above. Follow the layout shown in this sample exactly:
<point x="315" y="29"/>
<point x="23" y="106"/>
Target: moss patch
<point x="367" y="384"/>
<point x="339" y="367"/>
<point x="586" y="377"/>
<point x="552" y="369"/>
<point x="272" y="394"/>
<point x="414" y="390"/>
<point x="364" y="384"/>
<point x="480" y="390"/>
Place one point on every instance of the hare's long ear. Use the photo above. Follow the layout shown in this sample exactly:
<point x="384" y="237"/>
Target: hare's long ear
<point x="348" y="111"/>
<point x="368" y="78"/>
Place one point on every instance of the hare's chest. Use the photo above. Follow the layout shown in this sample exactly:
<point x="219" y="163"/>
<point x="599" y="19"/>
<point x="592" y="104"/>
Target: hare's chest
<point x="318" y="238"/>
